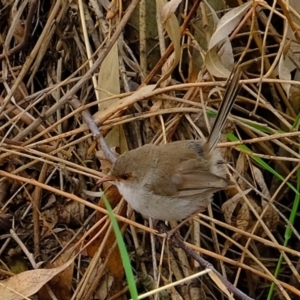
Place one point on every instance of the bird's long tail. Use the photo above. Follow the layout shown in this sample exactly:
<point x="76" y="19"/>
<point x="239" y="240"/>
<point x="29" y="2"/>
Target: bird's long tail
<point x="231" y="91"/>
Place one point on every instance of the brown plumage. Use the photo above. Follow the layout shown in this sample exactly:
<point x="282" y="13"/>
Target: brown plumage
<point x="172" y="181"/>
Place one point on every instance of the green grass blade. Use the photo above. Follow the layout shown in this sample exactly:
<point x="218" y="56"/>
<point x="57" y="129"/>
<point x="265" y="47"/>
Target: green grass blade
<point x="123" y="251"/>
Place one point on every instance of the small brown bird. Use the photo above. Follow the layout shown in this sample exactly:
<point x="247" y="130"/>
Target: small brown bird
<point x="175" y="180"/>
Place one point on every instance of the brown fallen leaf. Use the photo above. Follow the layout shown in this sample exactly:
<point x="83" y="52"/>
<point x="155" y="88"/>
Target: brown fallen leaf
<point x="60" y="284"/>
<point x="28" y="283"/>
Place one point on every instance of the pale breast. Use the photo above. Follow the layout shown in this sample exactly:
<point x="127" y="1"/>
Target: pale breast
<point x="161" y="207"/>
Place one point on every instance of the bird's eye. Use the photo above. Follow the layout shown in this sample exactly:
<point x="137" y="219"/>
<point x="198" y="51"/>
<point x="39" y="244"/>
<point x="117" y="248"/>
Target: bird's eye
<point x="125" y="176"/>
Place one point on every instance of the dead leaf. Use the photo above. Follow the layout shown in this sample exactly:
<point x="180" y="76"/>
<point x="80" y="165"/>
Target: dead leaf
<point x="219" y="58"/>
<point x="228" y="23"/>
<point x="244" y="219"/>
<point x="230" y="206"/>
<point x="215" y="65"/>
<point x="142" y="93"/>
<point x="293" y="54"/>
<point x="284" y="74"/>
<point x="61" y="284"/>
<point x="108" y="80"/>
<point x="295" y="97"/>
<point x="154" y="123"/>
<point x="259" y="178"/>
<point x="169" y="9"/>
<point x="28" y="283"/>
<point x="172" y="27"/>
<point x="237" y="212"/>
<point x="109" y="84"/>
<point x="271" y="216"/>
<point x="242" y="165"/>
<point x="220" y="284"/>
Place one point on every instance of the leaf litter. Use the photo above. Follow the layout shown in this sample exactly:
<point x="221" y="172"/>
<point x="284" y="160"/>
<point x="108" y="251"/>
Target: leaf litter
<point x="44" y="141"/>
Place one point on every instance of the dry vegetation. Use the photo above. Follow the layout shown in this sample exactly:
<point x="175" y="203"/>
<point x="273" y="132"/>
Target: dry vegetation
<point x="146" y="78"/>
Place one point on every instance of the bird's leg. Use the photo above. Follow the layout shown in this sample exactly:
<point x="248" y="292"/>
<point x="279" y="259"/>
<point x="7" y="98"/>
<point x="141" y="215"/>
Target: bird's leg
<point x="175" y="229"/>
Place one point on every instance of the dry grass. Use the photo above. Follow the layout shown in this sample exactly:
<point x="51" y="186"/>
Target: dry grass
<point x="49" y="158"/>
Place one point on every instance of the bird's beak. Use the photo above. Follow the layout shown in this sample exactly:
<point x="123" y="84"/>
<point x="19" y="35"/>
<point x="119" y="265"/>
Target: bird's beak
<point x="109" y="177"/>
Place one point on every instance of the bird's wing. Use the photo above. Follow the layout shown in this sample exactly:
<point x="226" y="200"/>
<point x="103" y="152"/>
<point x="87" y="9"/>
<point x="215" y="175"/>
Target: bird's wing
<point x="190" y="177"/>
<point x="197" y="182"/>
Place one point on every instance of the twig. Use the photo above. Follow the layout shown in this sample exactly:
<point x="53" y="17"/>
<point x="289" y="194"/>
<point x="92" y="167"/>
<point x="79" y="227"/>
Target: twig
<point x="37" y="196"/>
<point x="177" y="240"/>
<point x="94" y="129"/>
<point x="88" y="74"/>
<point x="27" y="33"/>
